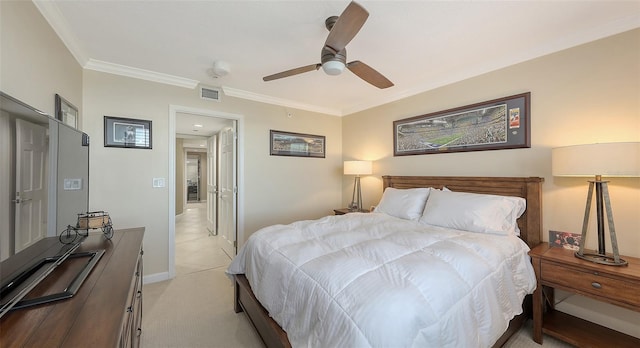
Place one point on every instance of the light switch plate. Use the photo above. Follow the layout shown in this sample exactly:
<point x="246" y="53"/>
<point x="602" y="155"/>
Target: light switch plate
<point x="158" y="182"/>
<point x="72" y="184"/>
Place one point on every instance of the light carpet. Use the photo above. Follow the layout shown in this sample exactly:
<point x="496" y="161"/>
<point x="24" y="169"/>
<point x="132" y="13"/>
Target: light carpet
<point x="196" y="310"/>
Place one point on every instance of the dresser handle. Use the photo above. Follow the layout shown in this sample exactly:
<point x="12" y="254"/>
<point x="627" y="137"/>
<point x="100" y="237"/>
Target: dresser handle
<point x="596" y="285"/>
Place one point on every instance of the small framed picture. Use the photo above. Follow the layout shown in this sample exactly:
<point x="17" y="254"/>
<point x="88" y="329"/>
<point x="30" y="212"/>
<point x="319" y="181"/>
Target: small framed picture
<point x="566" y="240"/>
<point x="66" y="112"/>
<point x="127" y="132"/>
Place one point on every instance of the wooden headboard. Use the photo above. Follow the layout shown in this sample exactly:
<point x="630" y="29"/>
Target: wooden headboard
<point x="530" y="223"/>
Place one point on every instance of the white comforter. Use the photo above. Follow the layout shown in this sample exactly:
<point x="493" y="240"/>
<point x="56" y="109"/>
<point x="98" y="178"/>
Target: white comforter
<point x="361" y="280"/>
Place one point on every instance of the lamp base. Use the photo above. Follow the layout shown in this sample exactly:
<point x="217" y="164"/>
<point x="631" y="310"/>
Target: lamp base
<point x="601" y="259"/>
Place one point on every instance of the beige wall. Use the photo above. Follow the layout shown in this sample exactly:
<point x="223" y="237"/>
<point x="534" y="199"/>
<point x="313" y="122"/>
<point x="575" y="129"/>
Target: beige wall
<point x="586" y="94"/>
<point x="34" y="63"/>
<point x="276" y="189"/>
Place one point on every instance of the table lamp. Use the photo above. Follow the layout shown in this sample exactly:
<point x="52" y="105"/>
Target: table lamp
<point x="357" y="168"/>
<point x="604" y="159"/>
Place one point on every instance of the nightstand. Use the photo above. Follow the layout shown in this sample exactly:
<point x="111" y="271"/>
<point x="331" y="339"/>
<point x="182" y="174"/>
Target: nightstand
<point x="343" y="211"/>
<point x="559" y="268"/>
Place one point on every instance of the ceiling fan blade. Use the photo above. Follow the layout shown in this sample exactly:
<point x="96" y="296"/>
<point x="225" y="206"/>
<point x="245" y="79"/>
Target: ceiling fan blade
<point x="369" y="74"/>
<point x="296" y="71"/>
<point x="346" y="27"/>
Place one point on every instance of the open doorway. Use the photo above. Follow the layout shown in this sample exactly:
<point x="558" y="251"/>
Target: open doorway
<point x="194" y="178"/>
<point x="205" y="191"/>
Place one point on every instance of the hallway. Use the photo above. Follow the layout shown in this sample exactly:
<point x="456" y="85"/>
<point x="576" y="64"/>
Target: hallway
<point x="195" y="309"/>
<point x="196" y="250"/>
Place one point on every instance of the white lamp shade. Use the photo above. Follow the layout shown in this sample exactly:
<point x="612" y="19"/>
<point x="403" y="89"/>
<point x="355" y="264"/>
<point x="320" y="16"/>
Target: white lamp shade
<point x="606" y="159"/>
<point x="357" y="167"/>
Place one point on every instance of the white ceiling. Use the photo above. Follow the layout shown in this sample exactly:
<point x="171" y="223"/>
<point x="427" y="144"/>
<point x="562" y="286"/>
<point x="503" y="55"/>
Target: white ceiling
<point x="194" y="130"/>
<point x="419" y="45"/>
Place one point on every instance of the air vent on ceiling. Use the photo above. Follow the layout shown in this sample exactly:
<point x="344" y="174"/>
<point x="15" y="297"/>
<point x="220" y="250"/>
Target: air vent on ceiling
<point x="210" y="93"/>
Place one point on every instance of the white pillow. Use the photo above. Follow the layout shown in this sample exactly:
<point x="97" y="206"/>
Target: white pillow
<point x="474" y="212"/>
<point x="403" y="203"/>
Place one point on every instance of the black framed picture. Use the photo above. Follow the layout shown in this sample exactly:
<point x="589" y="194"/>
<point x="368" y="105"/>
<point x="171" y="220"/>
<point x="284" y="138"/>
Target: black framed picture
<point x="66" y="112"/>
<point x="492" y="125"/>
<point x="297" y="144"/>
<point x="127" y="132"/>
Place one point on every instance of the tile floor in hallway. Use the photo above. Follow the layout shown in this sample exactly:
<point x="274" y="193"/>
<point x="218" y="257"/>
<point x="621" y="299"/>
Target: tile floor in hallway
<point x="196" y="249"/>
<point x="195" y="309"/>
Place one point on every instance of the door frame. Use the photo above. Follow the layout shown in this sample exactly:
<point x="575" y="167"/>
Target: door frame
<point x="171" y="182"/>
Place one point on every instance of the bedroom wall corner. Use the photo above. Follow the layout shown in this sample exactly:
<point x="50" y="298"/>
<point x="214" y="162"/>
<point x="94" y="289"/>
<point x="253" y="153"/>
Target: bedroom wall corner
<point x="35" y="62"/>
<point x="585" y="94"/>
<point x="276" y="189"/>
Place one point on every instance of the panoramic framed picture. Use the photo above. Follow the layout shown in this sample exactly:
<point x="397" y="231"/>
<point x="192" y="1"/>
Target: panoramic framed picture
<point x="127" y="132"/>
<point x="296" y="144"/>
<point x="492" y="125"/>
<point x="66" y="112"/>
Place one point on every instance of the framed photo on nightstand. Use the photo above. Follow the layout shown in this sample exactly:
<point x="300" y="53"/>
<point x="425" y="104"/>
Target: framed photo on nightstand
<point x="566" y="240"/>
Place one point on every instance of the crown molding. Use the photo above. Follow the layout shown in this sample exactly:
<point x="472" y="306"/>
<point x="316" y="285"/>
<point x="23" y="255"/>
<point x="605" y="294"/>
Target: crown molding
<point x="233" y="92"/>
<point x="142" y="74"/>
<point x="54" y="17"/>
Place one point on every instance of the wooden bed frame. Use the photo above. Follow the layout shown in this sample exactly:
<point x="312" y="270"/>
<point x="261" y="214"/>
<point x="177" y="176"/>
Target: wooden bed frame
<point x="530" y="224"/>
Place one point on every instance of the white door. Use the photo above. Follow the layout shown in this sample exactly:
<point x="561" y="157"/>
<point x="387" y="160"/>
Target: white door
<point x="212" y="186"/>
<point x="227" y="192"/>
<point x="31" y="197"/>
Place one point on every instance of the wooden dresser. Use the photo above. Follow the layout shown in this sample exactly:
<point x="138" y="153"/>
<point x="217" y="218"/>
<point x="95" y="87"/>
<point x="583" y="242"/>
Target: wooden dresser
<point x="559" y="268"/>
<point x="106" y="311"/>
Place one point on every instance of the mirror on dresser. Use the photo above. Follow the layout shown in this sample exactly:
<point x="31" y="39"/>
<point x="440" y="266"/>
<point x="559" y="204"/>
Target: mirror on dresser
<point x="45" y="175"/>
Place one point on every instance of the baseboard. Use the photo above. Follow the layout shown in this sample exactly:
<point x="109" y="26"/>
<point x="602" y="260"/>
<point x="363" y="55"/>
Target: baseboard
<point x="154" y="278"/>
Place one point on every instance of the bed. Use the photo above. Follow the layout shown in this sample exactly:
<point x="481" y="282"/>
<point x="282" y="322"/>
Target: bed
<point x="363" y="318"/>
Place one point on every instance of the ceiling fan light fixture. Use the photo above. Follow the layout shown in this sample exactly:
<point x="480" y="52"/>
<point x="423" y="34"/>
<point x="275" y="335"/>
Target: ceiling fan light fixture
<point x="333" y="67"/>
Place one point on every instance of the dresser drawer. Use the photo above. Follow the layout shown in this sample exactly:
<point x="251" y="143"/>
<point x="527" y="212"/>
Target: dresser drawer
<point x="595" y="283"/>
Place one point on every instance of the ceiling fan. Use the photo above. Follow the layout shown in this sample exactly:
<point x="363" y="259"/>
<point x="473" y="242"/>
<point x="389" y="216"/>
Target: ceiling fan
<point x="342" y="29"/>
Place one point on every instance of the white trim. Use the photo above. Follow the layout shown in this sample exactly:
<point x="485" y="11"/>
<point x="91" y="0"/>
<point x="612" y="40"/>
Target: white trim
<point x="136" y="73"/>
<point x="171" y="252"/>
<point x="155" y="278"/>
<point x="238" y="93"/>
<point x="53" y="16"/>
<point x="173" y="110"/>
